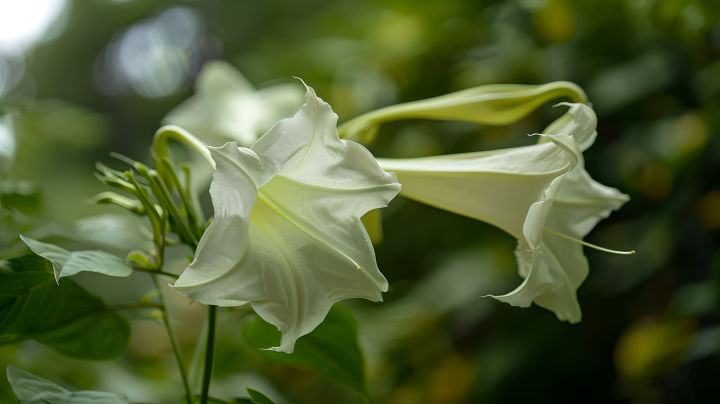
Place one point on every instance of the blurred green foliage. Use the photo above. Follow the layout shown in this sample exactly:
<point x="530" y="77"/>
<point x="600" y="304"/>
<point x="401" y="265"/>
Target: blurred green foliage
<point x="63" y="317"/>
<point x="651" y="326"/>
<point x="331" y="349"/>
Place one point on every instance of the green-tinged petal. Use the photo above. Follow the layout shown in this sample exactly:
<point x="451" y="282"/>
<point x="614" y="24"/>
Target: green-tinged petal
<point x="287" y="234"/>
<point x="66" y="263"/>
<point x="496" y="104"/>
<point x="30" y="389"/>
<point x="226" y="107"/>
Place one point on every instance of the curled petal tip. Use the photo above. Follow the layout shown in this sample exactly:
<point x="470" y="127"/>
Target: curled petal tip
<point x="301" y="80"/>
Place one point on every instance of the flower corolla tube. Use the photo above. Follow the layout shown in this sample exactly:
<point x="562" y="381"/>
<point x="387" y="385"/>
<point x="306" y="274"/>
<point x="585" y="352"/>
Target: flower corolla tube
<point x="494" y="104"/>
<point x="540" y="194"/>
<point x="286" y="235"/>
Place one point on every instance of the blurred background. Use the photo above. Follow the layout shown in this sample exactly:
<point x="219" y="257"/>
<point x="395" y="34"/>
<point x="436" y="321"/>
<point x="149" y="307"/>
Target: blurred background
<point x="79" y="79"/>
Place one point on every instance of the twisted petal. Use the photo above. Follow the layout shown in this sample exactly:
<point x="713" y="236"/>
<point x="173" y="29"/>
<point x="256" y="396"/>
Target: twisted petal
<point x="287" y="235"/>
<point x="556" y="270"/>
<point x="495" y="104"/>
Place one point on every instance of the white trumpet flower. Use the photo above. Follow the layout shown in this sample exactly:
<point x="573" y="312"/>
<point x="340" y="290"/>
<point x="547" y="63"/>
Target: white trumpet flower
<point x="226" y="107"/>
<point x="286" y="235"/>
<point x="540" y="194"/>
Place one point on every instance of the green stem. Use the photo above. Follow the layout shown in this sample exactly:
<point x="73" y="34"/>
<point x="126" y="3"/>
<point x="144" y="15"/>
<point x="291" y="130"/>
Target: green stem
<point x="133" y="306"/>
<point x="216" y="400"/>
<point x="173" y="337"/>
<point x="155" y="271"/>
<point x="209" y="354"/>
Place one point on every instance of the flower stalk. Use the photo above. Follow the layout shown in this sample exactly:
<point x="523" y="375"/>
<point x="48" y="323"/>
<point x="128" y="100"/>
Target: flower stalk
<point x="209" y="353"/>
<point x="164" y="215"/>
<point x="173" y="337"/>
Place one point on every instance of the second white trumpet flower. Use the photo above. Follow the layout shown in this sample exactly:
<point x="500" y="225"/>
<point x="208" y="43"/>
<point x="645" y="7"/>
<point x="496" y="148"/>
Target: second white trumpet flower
<point x="536" y="193"/>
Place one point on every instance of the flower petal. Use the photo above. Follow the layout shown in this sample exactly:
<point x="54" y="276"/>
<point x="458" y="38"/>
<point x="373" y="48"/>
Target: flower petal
<point x="498" y="187"/>
<point x="233" y="192"/>
<point x="580" y="120"/>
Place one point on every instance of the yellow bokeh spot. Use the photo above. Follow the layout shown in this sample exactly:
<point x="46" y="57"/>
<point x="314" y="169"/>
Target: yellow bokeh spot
<point x="691" y="132"/>
<point x="656" y="182"/>
<point x="555" y="22"/>
<point x="451" y="382"/>
<point x="651" y="347"/>
<point x="399" y="35"/>
<point x="708" y="210"/>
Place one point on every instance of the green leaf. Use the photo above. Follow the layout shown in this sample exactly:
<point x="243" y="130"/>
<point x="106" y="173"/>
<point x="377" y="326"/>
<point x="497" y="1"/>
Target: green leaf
<point x="66" y="263"/>
<point x="64" y="316"/>
<point x="30" y="389"/>
<point x="331" y="349"/>
<point x="258" y="397"/>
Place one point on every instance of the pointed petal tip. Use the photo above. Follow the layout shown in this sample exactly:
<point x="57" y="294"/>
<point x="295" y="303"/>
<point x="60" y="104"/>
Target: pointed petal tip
<point x="508" y="298"/>
<point x="279" y="349"/>
<point x="570" y="318"/>
<point x="301" y="80"/>
<point x="309" y="91"/>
